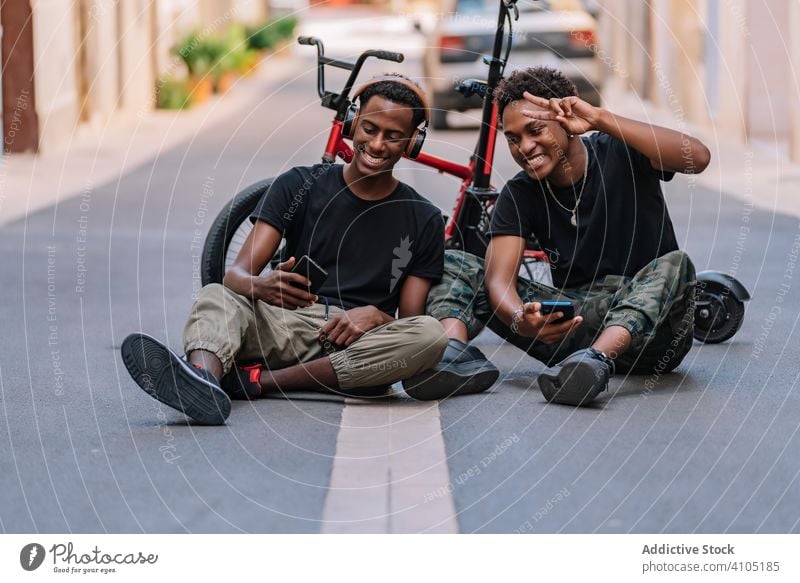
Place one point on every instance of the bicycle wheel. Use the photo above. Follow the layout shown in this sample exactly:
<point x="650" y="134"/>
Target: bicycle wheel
<point x="718" y="314"/>
<point x="229" y="231"/>
<point x="472" y="224"/>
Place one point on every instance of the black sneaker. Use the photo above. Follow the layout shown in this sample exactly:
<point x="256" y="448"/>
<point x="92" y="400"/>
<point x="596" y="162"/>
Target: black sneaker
<point x="243" y="382"/>
<point x="168" y="378"/>
<point x="463" y="370"/>
<point x="577" y="379"/>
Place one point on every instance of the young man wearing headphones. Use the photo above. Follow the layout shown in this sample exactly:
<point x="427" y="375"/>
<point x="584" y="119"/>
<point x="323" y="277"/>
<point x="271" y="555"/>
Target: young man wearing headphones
<point x="596" y="207"/>
<point x="382" y="245"/>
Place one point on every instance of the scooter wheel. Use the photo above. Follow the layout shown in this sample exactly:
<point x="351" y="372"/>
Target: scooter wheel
<point x="718" y="314"/>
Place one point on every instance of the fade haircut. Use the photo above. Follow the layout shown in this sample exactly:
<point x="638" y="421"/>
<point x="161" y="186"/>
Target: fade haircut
<point x="396" y="93"/>
<point x="539" y="81"/>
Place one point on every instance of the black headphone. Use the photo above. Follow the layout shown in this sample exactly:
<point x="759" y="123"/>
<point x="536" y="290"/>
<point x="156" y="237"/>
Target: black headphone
<point x="417" y="138"/>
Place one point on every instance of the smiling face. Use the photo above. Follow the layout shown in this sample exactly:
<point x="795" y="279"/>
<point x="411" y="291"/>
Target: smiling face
<point x="381" y="135"/>
<point x="539" y="147"/>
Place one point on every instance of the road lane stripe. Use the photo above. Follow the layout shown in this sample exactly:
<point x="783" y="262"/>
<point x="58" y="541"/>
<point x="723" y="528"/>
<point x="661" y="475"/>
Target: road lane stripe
<point x="390" y="471"/>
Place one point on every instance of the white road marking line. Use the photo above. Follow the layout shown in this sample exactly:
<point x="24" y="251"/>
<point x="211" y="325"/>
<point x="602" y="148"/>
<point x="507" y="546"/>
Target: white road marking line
<point x="390" y="471"/>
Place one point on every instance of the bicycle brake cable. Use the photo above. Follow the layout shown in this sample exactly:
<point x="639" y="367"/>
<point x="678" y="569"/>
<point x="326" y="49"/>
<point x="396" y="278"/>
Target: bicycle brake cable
<point x="510" y="39"/>
<point x="509" y="4"/>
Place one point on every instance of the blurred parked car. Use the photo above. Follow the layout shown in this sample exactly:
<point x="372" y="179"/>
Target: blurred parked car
<point x="557" y="33"/>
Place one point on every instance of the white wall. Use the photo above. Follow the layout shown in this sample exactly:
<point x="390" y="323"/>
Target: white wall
<point x="136" y="75"/>
<point x="57" y="100"/>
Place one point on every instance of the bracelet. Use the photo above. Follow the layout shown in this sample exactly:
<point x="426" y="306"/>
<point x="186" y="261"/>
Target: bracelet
<point x="516" y="318"/>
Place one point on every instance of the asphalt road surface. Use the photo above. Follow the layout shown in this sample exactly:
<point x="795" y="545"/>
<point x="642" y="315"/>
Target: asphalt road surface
<point x="709" y="448"/>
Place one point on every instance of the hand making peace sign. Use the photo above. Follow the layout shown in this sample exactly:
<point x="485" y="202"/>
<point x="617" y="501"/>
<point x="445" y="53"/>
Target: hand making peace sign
<point x="574" y="114"/>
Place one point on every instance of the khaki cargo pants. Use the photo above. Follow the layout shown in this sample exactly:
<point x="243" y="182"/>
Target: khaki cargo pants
<point x="656" y="306"/>
<point x="237" y="329"/>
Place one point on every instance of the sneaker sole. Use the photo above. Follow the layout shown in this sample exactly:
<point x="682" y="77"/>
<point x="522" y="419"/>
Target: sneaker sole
<point x="170" y="380"/>
<point x="575" y="384"/>
<point x="456" y="379"/>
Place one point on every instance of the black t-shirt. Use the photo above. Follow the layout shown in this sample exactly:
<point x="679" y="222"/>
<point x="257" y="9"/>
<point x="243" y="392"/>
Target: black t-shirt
<point x="367" y="248"/>
<point x="623" y="221"/>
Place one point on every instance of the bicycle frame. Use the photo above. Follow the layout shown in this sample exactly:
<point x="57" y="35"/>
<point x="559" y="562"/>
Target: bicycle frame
<point x="476" y="193"/>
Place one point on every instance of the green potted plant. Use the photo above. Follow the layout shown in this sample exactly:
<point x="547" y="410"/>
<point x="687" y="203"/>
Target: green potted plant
<point x="191" y="49"/>
<point x="229" y="52"/>
<point x="173" y="93"/>
<point x="245" y="61"/>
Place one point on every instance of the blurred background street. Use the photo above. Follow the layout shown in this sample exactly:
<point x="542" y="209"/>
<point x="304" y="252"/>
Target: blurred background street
<point x="104" y="206"/>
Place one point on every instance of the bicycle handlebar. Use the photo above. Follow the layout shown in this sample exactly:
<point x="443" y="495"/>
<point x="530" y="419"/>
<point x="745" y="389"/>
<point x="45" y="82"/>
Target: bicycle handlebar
<point x="339" y="102"/>
<point x="389" y="56"/>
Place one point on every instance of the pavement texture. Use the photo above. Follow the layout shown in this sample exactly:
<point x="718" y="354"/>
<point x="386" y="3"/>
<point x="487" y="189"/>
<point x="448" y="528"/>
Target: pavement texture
<point x="103" y="247"/>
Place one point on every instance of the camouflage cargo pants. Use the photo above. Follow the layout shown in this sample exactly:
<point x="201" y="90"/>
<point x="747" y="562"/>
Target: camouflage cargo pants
<point x="656" y="306"/>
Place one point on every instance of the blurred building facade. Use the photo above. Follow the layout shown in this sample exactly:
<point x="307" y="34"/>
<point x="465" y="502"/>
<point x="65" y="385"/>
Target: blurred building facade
<point x="73" y="63"/>
<point x="732" y="65"/>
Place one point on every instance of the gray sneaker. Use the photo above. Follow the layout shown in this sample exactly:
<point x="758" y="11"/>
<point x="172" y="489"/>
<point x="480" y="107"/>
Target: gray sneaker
<point x="463" y="370"/>
<point x="165" y="376"/>
<point x="577" y="379"/>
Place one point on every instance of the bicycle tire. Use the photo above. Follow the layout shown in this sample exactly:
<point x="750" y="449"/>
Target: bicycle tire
<point x="231" y="226"/>
<point x="472" y="225"/>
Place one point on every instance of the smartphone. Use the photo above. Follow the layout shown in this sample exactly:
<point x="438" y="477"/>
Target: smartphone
<point x="551" y="306"/>
<point x="311" y="271"/>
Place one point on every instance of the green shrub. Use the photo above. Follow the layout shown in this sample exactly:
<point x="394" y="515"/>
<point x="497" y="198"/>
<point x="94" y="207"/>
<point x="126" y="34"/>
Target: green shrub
<point x="285" y="26"/>
<point x="262" y="37"/>
<point x="172" y="94"/>
<point x="270" y="33"/>
<point x="193" y="52"/>
<point x="235" y="34"/>
<point x="234" y="50"/>
<point x="242" y="61"/>
<point x="213" y="54"/>
<point x="218" y="54"/>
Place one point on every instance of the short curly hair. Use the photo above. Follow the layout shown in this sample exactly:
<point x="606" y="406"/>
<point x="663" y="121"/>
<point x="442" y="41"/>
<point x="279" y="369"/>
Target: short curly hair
<point x="396" y="93"/>
<point x="540" y="81"/>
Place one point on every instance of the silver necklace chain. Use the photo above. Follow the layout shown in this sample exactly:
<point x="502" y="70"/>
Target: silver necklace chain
<point x="573" y="211"/>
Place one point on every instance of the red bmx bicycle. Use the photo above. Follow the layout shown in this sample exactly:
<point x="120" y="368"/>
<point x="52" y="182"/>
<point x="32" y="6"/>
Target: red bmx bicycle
<point x="720" y="301"/>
